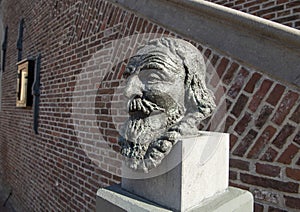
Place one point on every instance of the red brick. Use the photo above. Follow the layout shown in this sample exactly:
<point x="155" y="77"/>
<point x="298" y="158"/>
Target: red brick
<point x="293" y="173"/>
<point x="238" y="186"/>
<point x="269" y="155"/>
<point x="254" y="8"/>
<point x="230" y="73"/>
<point x="240" y="2"/>
<point x="214" y="60"/>
<point x="232" y="175"/>
<point x="285" y="106"/>
<point x="283" y="135"/>
<point x="111" y="132"/>
<point x="270" y="183"/>
<point x="271" y="9"/>
<point x="214" y="80"/>
<point x="238" y="83"/>
<point x="298" y="162"/>
<point x="258" y="207"/>
<point x="228" y="103"/>
<point x="276" y="94"/>
<point x="296" y="10"/>
<point x="252" y="82"/>
<point x="233" y="140"/>
<point x="250" y="4"/>
<point x="144" y="26"/>
<point x="207" y="53"/>
<point x="296" y="115"/>
<point x="229" y="4"/>
<point x="292" y="202"/>
<point x="229" y="122"/>
<point x="133" y="24"/>
<point x="293" y="4"/>
<point x="244" y="145"/>
<point x="237" y="7"/>
<point x="281" y="1"/>
<point x="268" y="170"/>
<point x="269" y="16"/>
<point x="243" y="123"/>
<point x="268" y="4"/>
<point x="288" y="155"/>
<point x="297" y="138"/>
<point x="261" y="142"/>
<point x="283" y="13"/>
<point x="219" y="72"/>
<point x="263" y="116"/>
<point x="286" y="19"/>
<point x="239" y="105"/>
<point x="139" y="25"/>
<point x="219" y="115"/>
<point x="272" y="209"/>
<point x="219" y="94"/>
<point x="260" y="94"/>
<point x="239" y="164"/>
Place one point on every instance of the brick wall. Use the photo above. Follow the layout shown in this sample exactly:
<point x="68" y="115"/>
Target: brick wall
<point x="81" y="107"/>
<point x="285" y="12"/>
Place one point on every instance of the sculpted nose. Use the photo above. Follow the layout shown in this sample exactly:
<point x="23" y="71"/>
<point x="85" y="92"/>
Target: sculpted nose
<point x="133" y="87"/>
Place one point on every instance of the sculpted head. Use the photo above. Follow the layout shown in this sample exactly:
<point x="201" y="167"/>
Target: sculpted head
<point x="167" y="98"/>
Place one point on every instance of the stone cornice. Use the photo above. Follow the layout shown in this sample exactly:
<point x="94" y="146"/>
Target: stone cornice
<point x="262" y="44"/>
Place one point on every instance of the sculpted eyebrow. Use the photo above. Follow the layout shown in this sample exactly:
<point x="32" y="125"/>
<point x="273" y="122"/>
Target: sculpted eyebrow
<point x="152" y="65"/>
<point x="161" y="73"/>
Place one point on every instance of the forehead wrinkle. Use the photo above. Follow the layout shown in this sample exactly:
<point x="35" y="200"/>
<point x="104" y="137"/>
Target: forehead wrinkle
<point x="152" y="59"/>
<point x="164" y="73"/>
<point x="164" y="56"/>
<point x="164" y="60"/>
<point x="158" y="55"/>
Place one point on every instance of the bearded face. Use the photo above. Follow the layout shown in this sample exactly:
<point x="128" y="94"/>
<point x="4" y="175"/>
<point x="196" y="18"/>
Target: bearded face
<point x="156" y="98"/>
<point x="167" y="97"/>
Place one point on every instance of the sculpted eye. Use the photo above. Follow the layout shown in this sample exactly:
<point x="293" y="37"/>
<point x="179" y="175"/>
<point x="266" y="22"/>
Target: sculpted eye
<point x="154" y="73"/>
<point x="151" y="76"/>
<point x="154" y="77"/>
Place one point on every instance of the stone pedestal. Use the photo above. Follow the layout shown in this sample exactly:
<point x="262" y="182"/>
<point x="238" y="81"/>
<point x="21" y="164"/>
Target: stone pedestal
<point x="193" y="175"/>
<point x="202" y="173"/>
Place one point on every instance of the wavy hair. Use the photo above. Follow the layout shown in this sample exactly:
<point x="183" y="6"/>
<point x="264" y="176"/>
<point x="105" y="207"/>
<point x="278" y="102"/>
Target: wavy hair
<point x="199" y="100"/>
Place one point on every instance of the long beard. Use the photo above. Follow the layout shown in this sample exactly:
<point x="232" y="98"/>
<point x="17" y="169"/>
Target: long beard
<point x="145" y="130"/>
<point x="147" y="123"/>
<point x="139" y="133"/>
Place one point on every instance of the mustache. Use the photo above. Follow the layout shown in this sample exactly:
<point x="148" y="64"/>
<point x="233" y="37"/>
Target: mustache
<point x="144" y="106"/>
